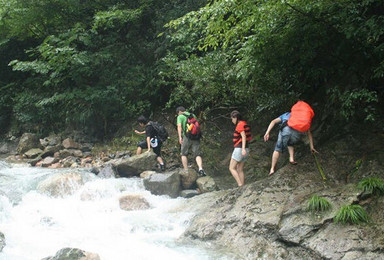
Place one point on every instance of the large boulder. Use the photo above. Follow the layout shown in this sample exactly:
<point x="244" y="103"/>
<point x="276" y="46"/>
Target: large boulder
<point x="61" y="184"/>
<point x="164" y="184"/>
<point x="134" y="165"/>
<point x="188" y="178"/>
<point x="133" y="202"/>
<point x="206" y="184"/>
<point x="70" y="144"/>
<point x="27" y="142"/>
<point x="73" y="254"/>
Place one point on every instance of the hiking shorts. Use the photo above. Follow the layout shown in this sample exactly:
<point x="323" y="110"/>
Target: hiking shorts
<point x="237" y="156"/>
<point x="287" y="137"/>
<point x="156" y="150"/>
<point x="187" y="144"/>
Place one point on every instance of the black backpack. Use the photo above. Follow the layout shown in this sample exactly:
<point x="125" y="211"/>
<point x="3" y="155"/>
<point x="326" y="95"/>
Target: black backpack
<point x="162" y="133"/>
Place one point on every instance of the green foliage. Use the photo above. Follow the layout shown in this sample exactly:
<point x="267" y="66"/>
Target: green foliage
<point x="372" y="186"/>
<point x="352" y="214"/>
<point x="317" y="204"/>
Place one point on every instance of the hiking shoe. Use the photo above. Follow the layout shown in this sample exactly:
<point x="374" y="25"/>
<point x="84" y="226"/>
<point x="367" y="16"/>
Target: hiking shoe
<point x="162" y="167"/>
<point x="202" y="173"/>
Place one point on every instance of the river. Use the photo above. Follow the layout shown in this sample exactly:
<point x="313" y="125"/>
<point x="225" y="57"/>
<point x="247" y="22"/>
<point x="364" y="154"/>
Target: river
<point x="36" y="225"/>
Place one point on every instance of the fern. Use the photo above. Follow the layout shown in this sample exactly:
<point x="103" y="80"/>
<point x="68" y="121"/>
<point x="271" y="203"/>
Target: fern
<point x="372" y="186"/>
<point x="351" y="214"/>
<point x="316" y="203"/>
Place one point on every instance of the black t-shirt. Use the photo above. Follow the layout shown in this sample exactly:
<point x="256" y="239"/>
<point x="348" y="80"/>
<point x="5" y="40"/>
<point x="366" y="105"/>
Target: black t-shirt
<point x="150" y="131"/>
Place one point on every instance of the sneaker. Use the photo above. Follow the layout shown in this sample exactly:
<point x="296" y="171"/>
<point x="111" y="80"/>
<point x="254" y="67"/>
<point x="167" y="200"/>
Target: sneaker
<point x="202" y="173"/>
<point x="162" y="167"/>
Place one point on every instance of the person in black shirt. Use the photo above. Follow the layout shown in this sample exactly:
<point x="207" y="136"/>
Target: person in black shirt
<point x="151" y="140"/>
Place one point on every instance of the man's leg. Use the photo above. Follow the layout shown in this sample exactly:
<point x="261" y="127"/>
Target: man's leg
<point x="275" y="157"/>
<point x="184" y="161"/>
<point x="291" y="151"/>
<point x="199" y="162"/>
<point x="139" y="150"/>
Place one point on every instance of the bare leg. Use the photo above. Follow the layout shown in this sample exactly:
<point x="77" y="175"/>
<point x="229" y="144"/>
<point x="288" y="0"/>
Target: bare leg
<point x="199" y="162"/>
<point x="235" y="174"/>
<point x="139" y="150"/>
<point x="275" y="157"/>
<point x="184" y="160"/>
<point x="291" y="152"/>
<point x="160" y="160"/>
<point x="240" y="170"/>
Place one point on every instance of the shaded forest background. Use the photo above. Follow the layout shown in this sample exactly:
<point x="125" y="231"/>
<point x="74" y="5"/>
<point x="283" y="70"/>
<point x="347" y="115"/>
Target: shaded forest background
<point x="94" y="64"/>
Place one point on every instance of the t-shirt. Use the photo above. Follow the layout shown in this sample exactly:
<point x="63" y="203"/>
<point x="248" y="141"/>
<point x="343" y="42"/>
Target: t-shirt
<point x="182" y="119"/>
<point x="284" y="117"/>
<point x="150" y="131"/>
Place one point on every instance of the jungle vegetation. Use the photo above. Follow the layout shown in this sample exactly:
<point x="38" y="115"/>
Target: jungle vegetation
<point x="93" y="64"/>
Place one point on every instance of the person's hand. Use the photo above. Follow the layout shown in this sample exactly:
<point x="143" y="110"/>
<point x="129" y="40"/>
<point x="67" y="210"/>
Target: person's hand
<point x="180" y="140"/>
<point x="266" y="137"/>
<point x="243" y="152"/>
<point x="148" y="150"/>
<point x="137" y="132"/>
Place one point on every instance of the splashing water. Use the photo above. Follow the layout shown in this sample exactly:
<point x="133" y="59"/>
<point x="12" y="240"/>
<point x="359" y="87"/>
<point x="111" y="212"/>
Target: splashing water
<point x="36" y="225"/>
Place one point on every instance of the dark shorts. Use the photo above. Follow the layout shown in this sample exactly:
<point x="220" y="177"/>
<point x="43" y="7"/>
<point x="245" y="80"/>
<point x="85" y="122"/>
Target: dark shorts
<point x="287" y="137"/>
<point x="188" y="143"/>
<point x="156" y="150"/>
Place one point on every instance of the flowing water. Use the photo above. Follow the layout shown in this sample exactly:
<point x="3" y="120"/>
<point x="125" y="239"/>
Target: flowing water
<point x="36" y="225"/>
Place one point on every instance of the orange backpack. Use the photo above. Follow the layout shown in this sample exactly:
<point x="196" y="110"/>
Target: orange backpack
<point x="301" y="116"/>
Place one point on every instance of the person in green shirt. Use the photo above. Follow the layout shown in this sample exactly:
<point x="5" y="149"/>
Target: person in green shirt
<point x="187" y="143"/>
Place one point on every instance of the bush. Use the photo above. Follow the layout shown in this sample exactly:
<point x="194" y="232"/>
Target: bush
<point x="316" y="203"/>
<point x="372" y="186"/>
<point x="352" y="214"/>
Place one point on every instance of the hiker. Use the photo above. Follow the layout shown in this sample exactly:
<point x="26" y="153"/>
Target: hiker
<point x="288" y="135"/>
<point x="241" y="138"/>
<point x="188" y="130"/>
<point x="151" y="141"/>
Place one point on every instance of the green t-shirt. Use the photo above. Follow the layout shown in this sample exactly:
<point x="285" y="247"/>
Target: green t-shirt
<point x="182" y="119"/>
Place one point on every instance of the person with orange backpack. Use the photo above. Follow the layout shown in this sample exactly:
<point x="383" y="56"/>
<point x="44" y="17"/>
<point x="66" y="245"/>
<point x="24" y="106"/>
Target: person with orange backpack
<point x="293" y="125"/>
<point x="241" y="138"/>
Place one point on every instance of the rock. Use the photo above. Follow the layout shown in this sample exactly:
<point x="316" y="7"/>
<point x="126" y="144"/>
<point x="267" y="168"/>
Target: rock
<point x="33" y="153"/>
<point x="27" y="142"/>
<point x="48" y="161"/>
<point x="73" y="254"/>
<point x="146" y="174"/>
<point x="134" y="165"/>
<point x="188" y="178"/>
<point x="189" y="193"/>
<point x="133" y="202"/>
<point x="107" y="171"/>
<point x="164" y="184"/>
<point x="206" y="184"/>
<point x="61" y="184"/>
<point x="70" y="144"/>
<point x="2" y="241"/>
<point x="8" y="147"/>
<point x="50" y="150"/>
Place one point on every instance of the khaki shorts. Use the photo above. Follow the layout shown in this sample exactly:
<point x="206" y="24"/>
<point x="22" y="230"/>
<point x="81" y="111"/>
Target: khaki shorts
<point x="237" y="154"/>
<point x="188" y="143"/>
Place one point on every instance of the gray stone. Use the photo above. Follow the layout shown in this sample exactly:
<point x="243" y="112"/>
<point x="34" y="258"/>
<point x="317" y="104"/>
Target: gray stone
<point x="73" y="254"/>
<point x="27" y="142"/>
<point x="188" y="178"/>
<point x="47" y="161"/>
<point x="33" y="153"/>
<point x="206" y="184"/>
<point x="189" y="193"/>
<point x="107" y="172"/>
<point x="61" y="184"/>
<point x="163" y="184"/>
<point x="133" y="202"/>
<point x="135" y="165"/>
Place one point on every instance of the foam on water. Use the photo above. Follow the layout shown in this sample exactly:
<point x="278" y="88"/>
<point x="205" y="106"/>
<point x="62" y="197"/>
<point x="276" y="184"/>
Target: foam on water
<point x="36" y="225"/>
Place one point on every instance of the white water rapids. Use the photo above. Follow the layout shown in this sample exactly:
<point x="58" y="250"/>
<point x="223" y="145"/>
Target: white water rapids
<point x="37" y="226"/>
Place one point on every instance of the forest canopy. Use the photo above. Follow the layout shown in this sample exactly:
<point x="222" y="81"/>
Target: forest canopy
<point x="95" y="64"/>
